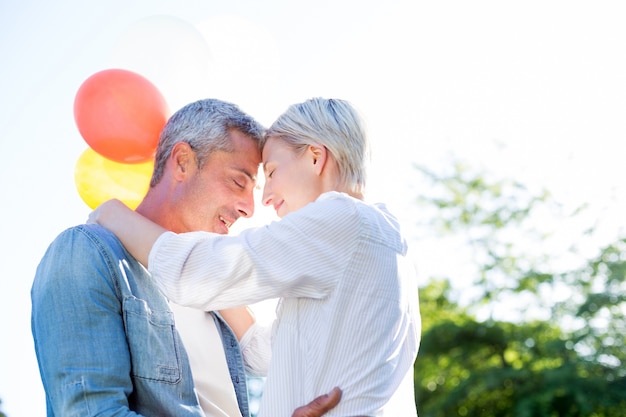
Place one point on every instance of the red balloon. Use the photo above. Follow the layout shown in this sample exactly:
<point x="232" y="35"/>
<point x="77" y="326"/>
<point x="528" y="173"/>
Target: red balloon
<point x="120" y="115"/>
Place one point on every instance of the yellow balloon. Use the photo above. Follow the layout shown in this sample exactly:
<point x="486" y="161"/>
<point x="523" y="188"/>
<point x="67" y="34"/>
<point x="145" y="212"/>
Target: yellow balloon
<point x="99" y="179"/>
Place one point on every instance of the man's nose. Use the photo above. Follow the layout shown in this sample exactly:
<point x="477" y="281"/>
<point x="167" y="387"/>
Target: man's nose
<point x="246" y="206"/>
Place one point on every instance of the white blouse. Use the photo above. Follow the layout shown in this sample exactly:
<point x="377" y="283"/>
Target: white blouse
<point x="348" y="314"/>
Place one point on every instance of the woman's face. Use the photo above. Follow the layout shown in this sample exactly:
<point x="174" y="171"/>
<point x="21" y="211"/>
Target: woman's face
<point x="291" y="179"/>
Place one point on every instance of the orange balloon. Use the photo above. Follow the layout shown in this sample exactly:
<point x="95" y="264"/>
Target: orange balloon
<point x="120" y="115"/>
<point x="99" y="179"/>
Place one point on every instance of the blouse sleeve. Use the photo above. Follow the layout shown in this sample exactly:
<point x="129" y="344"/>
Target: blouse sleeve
<point x="301" y="255"/>
<point x="256" y="347"/>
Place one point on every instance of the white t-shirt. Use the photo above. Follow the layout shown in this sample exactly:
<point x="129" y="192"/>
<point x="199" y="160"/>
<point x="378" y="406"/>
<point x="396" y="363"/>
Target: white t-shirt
<point x="207" y="359"/>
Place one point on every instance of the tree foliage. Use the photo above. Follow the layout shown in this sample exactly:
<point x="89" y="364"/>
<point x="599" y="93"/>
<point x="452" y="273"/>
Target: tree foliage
<point x="568" y="363"/>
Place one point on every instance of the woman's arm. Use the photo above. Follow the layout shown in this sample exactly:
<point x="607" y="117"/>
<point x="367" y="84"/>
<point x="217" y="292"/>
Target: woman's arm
<point x="136" y="232"/>
<point x="239" y="319"/>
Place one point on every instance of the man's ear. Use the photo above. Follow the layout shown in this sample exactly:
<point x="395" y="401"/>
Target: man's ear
<point x="183" y="160"/>
<point x="319" y="155"/>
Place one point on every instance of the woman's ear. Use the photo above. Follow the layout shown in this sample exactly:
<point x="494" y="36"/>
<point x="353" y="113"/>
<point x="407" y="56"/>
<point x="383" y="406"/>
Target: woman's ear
<point x="183" y="160"/>
<point x="319" y="155"/>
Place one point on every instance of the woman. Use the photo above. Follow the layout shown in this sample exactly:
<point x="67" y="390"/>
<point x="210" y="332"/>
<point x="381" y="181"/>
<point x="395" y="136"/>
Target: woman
<point x="348" y="312"/>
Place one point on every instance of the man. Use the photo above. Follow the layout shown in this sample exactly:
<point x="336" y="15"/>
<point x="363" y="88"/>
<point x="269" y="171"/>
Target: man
<point x="105" y="337"/>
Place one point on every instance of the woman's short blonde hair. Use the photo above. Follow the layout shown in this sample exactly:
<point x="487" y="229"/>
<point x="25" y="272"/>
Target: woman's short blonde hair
<point x="332" y="123"/>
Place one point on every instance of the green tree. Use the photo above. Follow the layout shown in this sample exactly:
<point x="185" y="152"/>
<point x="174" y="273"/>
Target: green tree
<point x="510" y="362"/>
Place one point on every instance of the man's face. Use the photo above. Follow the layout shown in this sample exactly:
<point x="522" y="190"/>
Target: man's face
<point x="222" y="191"/>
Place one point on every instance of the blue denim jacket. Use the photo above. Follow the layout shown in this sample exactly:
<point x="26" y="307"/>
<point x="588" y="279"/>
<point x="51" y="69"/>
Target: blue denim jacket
<point x="105" y="337"/>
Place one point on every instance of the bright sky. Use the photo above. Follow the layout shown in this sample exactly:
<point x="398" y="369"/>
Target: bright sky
<point x="535" y="90"/>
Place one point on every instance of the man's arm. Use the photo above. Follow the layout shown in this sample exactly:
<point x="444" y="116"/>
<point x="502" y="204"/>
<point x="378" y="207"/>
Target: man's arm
<point x="78" y="332"/>
<point x="319" y="406"/>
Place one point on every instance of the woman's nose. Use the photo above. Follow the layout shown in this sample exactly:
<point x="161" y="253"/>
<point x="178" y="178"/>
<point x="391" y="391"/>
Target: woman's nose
<point x="267" y="196"/>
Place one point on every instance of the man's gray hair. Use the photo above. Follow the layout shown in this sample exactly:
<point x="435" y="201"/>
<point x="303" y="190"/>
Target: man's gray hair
<point x="205" y="126"/>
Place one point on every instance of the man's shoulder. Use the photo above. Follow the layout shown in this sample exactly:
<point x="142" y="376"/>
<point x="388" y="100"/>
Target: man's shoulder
<point x="79" y="251"/>
<point x="88" y="231"/>
<point x="84" y="239"/>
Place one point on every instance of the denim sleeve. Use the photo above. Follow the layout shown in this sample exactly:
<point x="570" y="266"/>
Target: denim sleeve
<point x="79" y="332"/>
